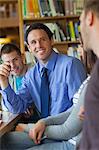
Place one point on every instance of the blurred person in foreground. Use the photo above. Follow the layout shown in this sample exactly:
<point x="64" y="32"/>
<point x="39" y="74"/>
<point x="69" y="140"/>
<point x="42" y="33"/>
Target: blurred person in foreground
<point x="90" y="34"/>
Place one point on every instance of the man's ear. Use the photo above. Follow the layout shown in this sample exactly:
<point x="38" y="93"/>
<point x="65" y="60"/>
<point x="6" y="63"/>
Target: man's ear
<point x="89" y="18"/>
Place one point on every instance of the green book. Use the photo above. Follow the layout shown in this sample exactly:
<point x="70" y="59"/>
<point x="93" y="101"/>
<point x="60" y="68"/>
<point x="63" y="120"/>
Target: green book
<point x="24" y="8"/>
<point x="72" y="31"/>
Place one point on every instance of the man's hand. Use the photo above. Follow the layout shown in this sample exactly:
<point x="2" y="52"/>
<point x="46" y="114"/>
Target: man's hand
<point x="29" y="112"/>
<point x="81" y="113"/>
<point x="37" y="131"/>
<point x="4" y="74"/>
<point x="21" y="127"/>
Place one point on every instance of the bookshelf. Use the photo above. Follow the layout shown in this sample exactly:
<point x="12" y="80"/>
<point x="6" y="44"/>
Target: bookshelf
<point x="24" y="19"/>
<point x="9" y="20"/>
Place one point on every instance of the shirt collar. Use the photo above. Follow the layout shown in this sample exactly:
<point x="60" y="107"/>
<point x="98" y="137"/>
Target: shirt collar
<point x="50" y="64"/>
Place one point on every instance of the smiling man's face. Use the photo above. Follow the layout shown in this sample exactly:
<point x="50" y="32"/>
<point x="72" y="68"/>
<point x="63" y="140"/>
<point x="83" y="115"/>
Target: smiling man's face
<point x="15" y="61"/>
<point x="40" y="44"/>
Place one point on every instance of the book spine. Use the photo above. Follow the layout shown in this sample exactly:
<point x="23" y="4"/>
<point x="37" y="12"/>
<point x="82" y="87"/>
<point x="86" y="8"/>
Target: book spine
<point x="44" y="8"/>
<point x="52" y="6"/>
<point x="61" y="11"/>
<point x="62" y="34"/>
<point x="67" y="7"/>
<point x="71" y="8"/>
<point x="79" y="6"/>
<point x="67" y="32"/>
<point x="37" y="8"/>
<point x="30" y="8"/>
<point x="3" y="11"/>
<point x="48" y="8"/>
<point x="56" y="7"/>
<point x="24" y="8"/>
<point x="40" y="8"/>
<point x="34" y="8"/>
<point x="76" y="30"/>
<point x="58" y="39"/>
<point x="11" y="10"/>
<point x="72" y="32"/>
<point x="72" y="51"/>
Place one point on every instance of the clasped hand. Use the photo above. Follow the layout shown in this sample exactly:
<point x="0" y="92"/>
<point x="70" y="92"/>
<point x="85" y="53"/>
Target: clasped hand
<point x="37" y="131"/>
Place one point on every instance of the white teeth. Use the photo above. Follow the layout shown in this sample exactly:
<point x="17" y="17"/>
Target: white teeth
<point x="39" y="50"/>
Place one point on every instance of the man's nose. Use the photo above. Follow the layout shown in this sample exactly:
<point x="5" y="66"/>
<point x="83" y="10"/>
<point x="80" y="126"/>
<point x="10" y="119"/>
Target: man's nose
<point x="38" y="44"/>
<point x="12" y="64"/>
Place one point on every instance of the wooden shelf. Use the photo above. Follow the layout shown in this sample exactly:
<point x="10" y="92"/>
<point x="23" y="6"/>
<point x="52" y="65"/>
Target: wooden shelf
<point x="8" y="1"/>
<point x="9" y="23"/>
<point x="66" y="42"/>
<point x="50" y="19"/>
<point x="8" y="18"/>
<point x="63" y="46"/>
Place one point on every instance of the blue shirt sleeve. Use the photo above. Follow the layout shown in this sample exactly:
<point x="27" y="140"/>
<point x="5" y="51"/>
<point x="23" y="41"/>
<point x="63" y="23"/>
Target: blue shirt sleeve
<point x="75" y="76"/>
<point x="14" y="102"/>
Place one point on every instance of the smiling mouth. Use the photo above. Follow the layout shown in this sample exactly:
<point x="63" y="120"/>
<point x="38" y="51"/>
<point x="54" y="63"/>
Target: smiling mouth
<point x="13" y="71"/>
<point x="40" y="50"/>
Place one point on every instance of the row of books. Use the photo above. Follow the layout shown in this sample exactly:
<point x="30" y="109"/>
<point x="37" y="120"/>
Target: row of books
<point x="71" y="32"/>
<point x="8" y="10"/>
<point x="41" y="8"/>
<point x="73" y="7"/>
<point x="58" y="33"/>
<point x="73" y="51"/>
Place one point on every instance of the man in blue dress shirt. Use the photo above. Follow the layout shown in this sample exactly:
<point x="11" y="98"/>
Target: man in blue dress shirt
<point x="65" y="75"/>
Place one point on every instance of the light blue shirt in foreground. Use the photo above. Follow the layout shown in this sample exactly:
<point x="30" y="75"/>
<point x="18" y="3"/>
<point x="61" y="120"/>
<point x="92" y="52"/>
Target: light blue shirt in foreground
<point x="65" y="77"/>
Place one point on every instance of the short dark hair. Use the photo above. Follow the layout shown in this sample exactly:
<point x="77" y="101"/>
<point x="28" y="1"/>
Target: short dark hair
<point x="8" y="48"/>
<point x="92" y="5"/>
<point x="36" y="26"/>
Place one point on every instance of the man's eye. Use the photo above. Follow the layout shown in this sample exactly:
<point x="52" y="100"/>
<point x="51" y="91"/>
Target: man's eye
<point x="15" y="59"/>
<point x="33" y="42"/>
<point x="44" y="39"/>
